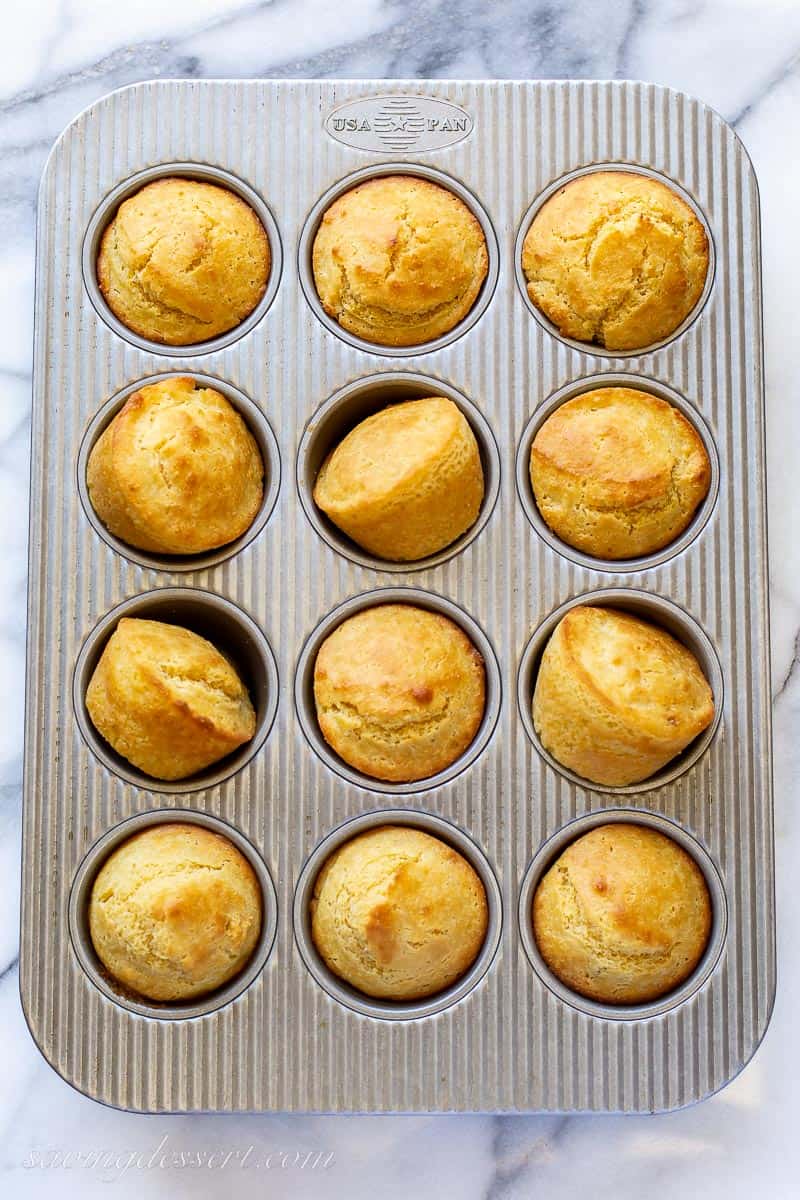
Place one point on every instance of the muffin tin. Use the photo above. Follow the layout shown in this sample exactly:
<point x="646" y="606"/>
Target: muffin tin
<point x="285" y="1035"/>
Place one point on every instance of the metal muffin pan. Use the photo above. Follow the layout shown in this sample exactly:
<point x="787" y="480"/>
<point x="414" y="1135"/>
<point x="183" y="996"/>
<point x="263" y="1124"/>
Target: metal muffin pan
<point x="287" y="1035"/>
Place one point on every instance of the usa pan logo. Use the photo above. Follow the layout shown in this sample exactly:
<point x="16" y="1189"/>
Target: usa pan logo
<point x="399" y="123"/>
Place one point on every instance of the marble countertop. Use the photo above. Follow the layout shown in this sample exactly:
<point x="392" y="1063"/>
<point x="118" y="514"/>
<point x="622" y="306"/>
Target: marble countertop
<point x="742" y="57"/>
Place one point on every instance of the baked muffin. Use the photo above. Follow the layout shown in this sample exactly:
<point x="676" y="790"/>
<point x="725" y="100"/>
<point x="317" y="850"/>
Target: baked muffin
<point x="399" y="691"/>
<point x="398" y="914"/>
<point x="618" y="473"/>
<point x="183" y="261"/>
<point x="616" y="258"/>
<point x="177" y="471"/>
<point x="616" y="698"/>
<point x="175" y="912"/>
<point x="623" y="916"/>
<point x="406" y="482"/>
<point x="167" y="700"/>
<point x="399" y="260"/>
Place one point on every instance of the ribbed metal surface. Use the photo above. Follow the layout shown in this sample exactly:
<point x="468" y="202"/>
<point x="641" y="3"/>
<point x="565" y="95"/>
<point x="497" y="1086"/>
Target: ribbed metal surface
<point x="285" y="1044"/>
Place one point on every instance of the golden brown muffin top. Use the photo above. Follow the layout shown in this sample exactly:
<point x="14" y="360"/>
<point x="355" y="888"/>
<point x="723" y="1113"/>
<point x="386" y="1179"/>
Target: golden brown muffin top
<point x="398" y="914"/>
<point x="396" y="448"/>
<point x="406" y="482"/>
<point x="623" y="915"/>
<point x="399" y="691"/>
<point x="175" y="911"/>
<point x="183" y="261"/>
<point x="177" y="471"/>
<point x="616" y="258"/>
<point x="618" y="452"/>
<point x="636" y="670"/>
<point x="167" y="699"/>
<point x="399" y="260"/>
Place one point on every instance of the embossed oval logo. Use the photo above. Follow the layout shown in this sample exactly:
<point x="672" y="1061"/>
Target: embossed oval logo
<point x="398" y="123"/>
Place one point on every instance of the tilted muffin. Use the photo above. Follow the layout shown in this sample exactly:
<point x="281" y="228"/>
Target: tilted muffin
<point x="616" y="258"/>
<point x="406" y="482"/>
<point x="616" y="697"/>
<point x="183" y="261"/>
<point x="175" y="912"/>
<point x="618" y="473"/>
<point x="167" y="700"/>
<point x="398" y="914"/>
<point x="399" y="260"/>
<point x="177" y="471"/>
<point x="399" y="691"/>
<point x="623" y="916"/>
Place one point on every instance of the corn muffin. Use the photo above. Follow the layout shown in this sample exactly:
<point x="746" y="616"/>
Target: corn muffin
<point x="618" y="472"/>
<point x="406" y="482"/>
<point x="400" y="691"/>
<point x="399" y="260"/>
<point x="183" y="261"/>
<point x="167" y="700"/>
<point x="177" y="471"/>
<point x="616" y="258"/>
<point x="175" y="912"/>
<point x="623" y="916"/>
<point x="616" y="697"/>
<point x="398" y="914"/>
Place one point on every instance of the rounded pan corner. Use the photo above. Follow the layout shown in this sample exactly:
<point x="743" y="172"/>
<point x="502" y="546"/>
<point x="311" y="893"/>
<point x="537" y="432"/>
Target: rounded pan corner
<point x="80" y="1087"/>
<point x="712" y="112"/>
<point x="739" y="1067"/>
<point x="81" y="117"/>
<point x="675" y="93"/>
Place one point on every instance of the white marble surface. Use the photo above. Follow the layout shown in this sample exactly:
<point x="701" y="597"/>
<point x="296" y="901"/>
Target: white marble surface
<point x="743" y="57"/>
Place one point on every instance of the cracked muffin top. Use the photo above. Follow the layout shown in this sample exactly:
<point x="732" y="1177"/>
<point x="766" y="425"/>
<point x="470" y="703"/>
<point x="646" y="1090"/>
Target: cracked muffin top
<point x="399" y="691"/>
<point x="399" y="260"/>
<point x="183" y="261"/>
<point x="398" y="914"/>
<point x="177" y="471"/>
<point x="175" y="912"/>
<point x="623" y="916"/>
<point x="617" y="472"/>
<point x="167" y="700"/>
<point x="617" y="259"/>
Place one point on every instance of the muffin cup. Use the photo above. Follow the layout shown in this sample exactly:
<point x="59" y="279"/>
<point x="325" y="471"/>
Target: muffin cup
<point x="353" y="404"/>
<point x="550" y="851"/>
<point x="258" y="426"/>
<point x="312" y="224"/>
<point x="592" y="347"/>
<point x="107" y="211"/>
<point x="80" y="895"/>
<point x="658" y="611"/>
<point x="579" y="387"/>
<point x="229" y="629"/>
<point x="304" y="688"/>
<point x="344" y="993"/>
